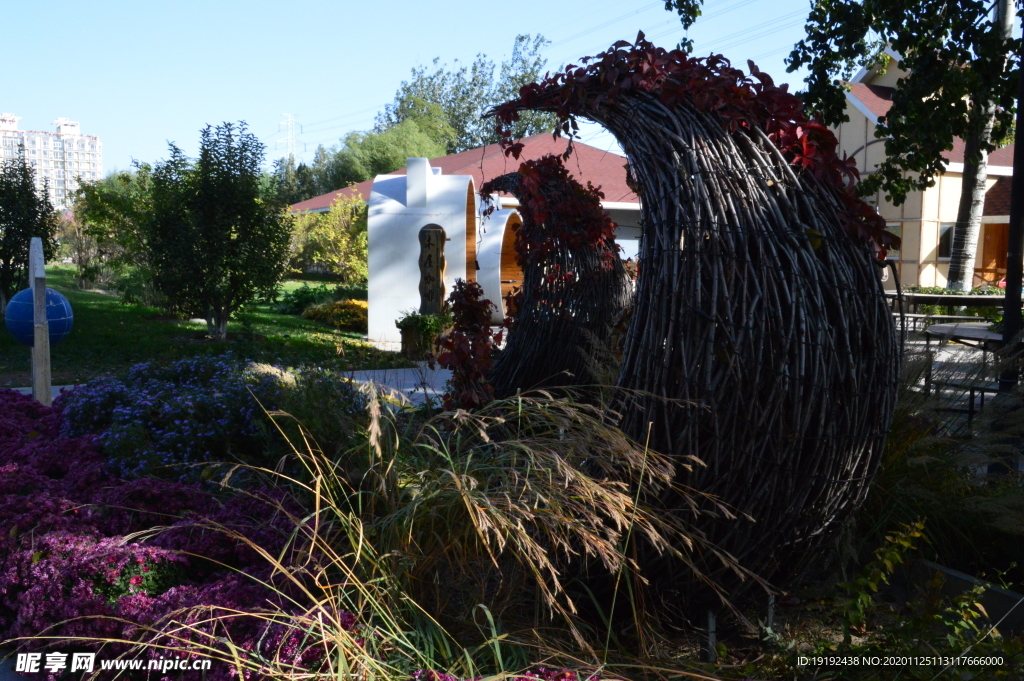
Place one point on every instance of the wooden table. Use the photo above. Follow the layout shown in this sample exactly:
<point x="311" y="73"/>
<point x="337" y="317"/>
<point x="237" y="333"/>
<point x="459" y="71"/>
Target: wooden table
<point x="973" y="334"/>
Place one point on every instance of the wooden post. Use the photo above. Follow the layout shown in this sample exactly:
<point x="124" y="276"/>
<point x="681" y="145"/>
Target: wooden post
<point x="432" y="266"/>
<point x="710" y="652"/>
<point x="41" y="390"/>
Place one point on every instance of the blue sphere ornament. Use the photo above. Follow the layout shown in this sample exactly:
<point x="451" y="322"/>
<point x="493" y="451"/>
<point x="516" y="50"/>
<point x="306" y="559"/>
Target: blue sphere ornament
<point x="18" y="317"/>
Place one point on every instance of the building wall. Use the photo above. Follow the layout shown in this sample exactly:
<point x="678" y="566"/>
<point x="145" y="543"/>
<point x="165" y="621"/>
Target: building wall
<point x="394" y="221"/>
<point x="60" y="158"/>
<point x="918" y="219"/>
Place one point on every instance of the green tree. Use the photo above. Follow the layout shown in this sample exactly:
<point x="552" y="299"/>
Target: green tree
<point x="24" y="213"/>
<point x="296" y="182"/>
<point x="364" y="155"/>
<point x="106" y="236"/>
<point x="961" y="63"/>
<point x="465" y="92"/>
<point x="335" y="241"/>
<point x="217" y="239"/>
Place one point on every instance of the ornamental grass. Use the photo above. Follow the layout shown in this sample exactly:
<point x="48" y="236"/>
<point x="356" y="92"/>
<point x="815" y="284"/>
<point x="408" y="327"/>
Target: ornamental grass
<point x="444" y="546"/>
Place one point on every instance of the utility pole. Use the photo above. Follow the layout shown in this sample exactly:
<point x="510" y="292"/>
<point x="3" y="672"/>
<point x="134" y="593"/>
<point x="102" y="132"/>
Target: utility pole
<point x="289" y="138"/>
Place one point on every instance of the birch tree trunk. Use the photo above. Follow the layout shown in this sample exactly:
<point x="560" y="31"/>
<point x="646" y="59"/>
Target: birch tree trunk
<point x="969" y="212"/>
<point x="972" y="197"/>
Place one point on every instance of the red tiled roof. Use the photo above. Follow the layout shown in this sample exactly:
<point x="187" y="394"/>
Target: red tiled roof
<point x="999" y="157"/>
<point x="604" y="169"/>
<point x="878" y="100"/>
<point x="997" y="198"/>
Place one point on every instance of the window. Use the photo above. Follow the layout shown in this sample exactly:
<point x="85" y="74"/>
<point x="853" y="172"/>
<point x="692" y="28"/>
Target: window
<point x="946" y="230"/>
<point x="897" y="229"/>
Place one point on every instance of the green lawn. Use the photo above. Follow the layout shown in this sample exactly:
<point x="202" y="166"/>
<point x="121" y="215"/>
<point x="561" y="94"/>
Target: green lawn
<point x="108" y="337"/>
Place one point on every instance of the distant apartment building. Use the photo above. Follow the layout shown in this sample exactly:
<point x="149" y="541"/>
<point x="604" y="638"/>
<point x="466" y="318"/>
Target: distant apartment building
<point x="60" y="158"/>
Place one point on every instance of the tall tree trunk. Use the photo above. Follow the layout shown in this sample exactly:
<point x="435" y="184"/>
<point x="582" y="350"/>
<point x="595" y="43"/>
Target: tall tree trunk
<point x="972" y="196"/>
<point x="972" y="204"/>
<point x="217" y="326"/>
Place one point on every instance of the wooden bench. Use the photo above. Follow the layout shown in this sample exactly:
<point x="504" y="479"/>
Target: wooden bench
<point x="918" y="322"/>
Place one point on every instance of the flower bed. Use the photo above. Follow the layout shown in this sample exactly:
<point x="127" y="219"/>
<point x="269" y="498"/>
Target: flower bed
<point x="70" y="567"/>
<point x="250" y="578"/>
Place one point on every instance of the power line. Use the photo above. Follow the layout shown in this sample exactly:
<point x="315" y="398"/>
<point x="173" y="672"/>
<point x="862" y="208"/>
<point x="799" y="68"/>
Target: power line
<point x="588" y="31"/>
<point x="347" y="115"/>
<point x="757" y="32"/>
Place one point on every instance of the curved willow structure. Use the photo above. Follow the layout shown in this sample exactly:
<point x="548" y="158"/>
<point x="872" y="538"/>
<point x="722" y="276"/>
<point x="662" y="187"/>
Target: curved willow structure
<point x="574" y="284"/>
<point x="760" y="341"/>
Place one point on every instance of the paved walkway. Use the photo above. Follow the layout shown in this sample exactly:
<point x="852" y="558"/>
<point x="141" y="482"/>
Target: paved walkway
<point x="417" y="384"/>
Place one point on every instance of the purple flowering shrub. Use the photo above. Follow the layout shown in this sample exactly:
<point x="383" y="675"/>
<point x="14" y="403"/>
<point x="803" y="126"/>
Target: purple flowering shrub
<point x="91" y="548"/>
<point x="72" y="563"/>
<point x="165" y="419"/>
<point x="160" y="418"/>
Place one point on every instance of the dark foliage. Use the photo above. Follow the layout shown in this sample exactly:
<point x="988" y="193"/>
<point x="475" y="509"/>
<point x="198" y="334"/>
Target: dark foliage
<point x="24" y="213"/>
<point x="217" y="240"/>
<point x="469" y="349"/>
<point x="574" y="284"/>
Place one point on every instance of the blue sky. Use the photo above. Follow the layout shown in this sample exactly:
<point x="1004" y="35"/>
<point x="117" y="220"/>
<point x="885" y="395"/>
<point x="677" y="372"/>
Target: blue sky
<point x="140" y="74"/>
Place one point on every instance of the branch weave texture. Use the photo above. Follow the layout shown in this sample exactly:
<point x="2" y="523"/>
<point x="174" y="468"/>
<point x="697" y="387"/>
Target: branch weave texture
<point x="760" y="340"/>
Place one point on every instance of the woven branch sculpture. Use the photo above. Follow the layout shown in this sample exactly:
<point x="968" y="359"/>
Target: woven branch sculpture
<point x="574" y="284"/>
<point x="760" y="340"/>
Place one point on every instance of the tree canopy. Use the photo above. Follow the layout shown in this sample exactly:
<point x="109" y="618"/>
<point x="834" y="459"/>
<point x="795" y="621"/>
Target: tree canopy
<point x="961" y="64"/>
<point x="957" y="62"/>
<point x="464" y="93"/>
<point x="364" y="155"/>
<point x="24" y="213"/>
<point x="106" y="239"/>
<point x="335" y="241"/>
<point x="216" y="238"/>
<point x="438" y="111"/>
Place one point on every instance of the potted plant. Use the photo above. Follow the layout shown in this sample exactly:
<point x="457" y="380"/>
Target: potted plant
<point x="419" y="331"/>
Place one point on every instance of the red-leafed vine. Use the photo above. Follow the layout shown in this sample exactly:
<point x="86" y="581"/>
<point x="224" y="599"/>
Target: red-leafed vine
<point x="760" y="340"/>
<point x="709" y="84"/>
<point x="574" y="284"/>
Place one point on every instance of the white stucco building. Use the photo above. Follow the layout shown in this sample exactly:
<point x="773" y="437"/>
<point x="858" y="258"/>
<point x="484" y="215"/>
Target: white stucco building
<point x="60" y="158"/>
<point x="442" y="192"/>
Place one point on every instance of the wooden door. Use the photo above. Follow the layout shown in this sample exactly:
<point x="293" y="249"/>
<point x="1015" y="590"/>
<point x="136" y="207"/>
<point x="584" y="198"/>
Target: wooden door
<point x="992" y="266"/>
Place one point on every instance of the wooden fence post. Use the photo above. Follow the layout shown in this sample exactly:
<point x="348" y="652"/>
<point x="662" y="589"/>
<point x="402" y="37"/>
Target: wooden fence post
<point x="41" y="390"/>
